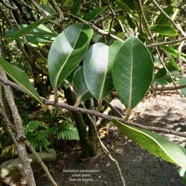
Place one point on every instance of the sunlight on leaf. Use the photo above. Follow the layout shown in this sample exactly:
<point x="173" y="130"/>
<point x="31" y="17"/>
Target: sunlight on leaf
<point x="20" y="78"/>
<point x="155" y="144"/>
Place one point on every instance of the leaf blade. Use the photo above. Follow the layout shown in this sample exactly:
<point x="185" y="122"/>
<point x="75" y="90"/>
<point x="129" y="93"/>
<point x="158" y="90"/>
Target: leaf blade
<point x="67" y="51"/>
<point x="29" y="28"/>
<point x="132" y="72"/>
<point x="96" y="71"/>
<point x="20" y="78"/>
<point x="155" y="144"/>
<point x="80" y="86"/>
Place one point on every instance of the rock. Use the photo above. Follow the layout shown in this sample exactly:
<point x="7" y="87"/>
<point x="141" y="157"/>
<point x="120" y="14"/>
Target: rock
<point x="119" y="151"/>
<point x="10" y="171"/>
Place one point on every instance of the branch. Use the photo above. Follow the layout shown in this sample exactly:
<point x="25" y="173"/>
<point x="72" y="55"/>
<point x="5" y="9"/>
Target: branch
<point x="102" y="32"/>
<point x="21" y="149"/>
<point x="9" y="6"/>
<point x="166" y="42"/>
<point x="106" y="151"/>
<point x="61" y="15"/>
<point x="167" y="88"/>
<point x="95" y="113"/>
<point x="40" y="161"/>
<point x="40" y="10"/>
<point x="94" y="27"/>
<point x="179" y="57"/>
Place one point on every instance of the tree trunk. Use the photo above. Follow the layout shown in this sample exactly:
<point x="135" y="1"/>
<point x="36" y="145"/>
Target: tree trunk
<point x="86" y="128"/>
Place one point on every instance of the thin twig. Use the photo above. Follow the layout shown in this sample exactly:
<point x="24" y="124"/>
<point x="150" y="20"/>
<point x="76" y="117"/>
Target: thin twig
<point x="167" y="88"/>
<point x="106" y="151"/>
<point x="100" y="31"/>
<point x="40" y="161"/>
<point x="9" y="6"/>
<point x="166" y="42"/>
<point x="40" y="10"/>
<point x="119" y="114"/>
<point x="112" y="159"/>
<point x="113" y="17"/>
<point x="179" y="57"/>
<point x="61" y="15"/>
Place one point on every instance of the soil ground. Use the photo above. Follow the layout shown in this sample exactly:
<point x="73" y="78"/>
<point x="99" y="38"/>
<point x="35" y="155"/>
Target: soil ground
<point x="138" y="167"/>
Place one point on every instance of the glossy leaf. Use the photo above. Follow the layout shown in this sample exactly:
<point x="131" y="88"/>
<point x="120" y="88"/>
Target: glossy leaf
<point x="75" y="7"/>
<point x="113" y="49"/>
<point x="29" y="28"/>
<point x="20" y="77"/>
<point x="162" y="78"/>
<point x="162" y="19"/>
<point x="67" y="51"/>
<point x="164" y="29"/>
<point x="81" y="88"/>
<point x="67" y="3"/>
<point x="182" y="81"/>
<point x="124" y="7"/>
<point x="47" y="9"/>
<point x="94" y="13"/>
<point x="170" y="51"/>
<point x="155" y="144"/>
<point x="97" y="68"/>
<point x="38" y="36"/>
<point x="132" y="72"/>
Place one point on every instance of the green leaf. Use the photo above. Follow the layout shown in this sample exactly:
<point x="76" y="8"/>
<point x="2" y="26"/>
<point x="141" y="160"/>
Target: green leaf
<point x="47" y="9"/>
<point x="67" y="3"/>
<point x="170" y="51"/>
<point x="132" y="72"/>
<point x="97" y="71"/>
<point x="182" y="81"/>
<point x="67" y="131"/>
<point x="161" y="77"/>
<point x="20" y="78"/>
<point x="76" y="7"/>
<point x="29" y="28"/>
<point x="67" y="51"/>
<point x="81" y="88"/>
<point x="93" y="14"/>
<point x="172" y="65"/>
<point x="155" y="144"/>
<point x="166" y="30"/>
<point x="125" y="7"/>
<point x="131" y="22"/>
<point x="113" y="49"/>
<point x="161" y="19"/>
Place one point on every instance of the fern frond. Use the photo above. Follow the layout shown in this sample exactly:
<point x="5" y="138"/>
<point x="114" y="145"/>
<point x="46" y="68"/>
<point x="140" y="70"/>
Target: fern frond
<point x="39" y="139"/>
<point x="67" y="131"/>
<point x="33" y="126"/>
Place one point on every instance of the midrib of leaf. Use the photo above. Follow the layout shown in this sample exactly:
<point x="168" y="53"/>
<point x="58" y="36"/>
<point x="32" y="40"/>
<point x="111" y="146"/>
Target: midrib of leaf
<point x="154" y="141"/>
<point x="102" y="85"/>
<point x="143" y="133"/>
<point x="130" y="87"/>
<point x="57" y="77"/>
